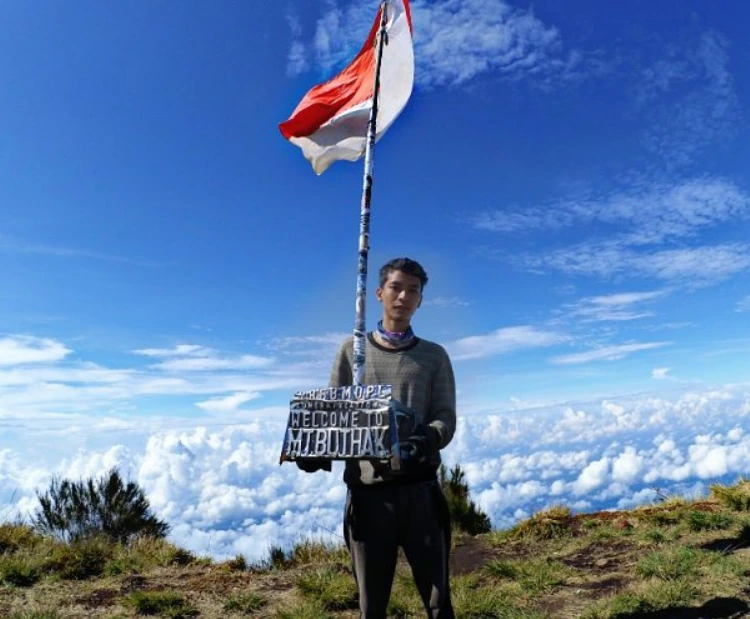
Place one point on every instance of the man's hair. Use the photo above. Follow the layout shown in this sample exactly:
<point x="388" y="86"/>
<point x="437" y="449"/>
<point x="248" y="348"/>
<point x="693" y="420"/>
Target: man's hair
<point x="405" y="265"/>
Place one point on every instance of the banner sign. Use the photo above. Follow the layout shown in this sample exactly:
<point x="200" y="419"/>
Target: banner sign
<point x="340" y="423"/>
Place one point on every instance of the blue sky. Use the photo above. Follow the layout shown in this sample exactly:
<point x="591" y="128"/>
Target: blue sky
<point x="575" y="180"/>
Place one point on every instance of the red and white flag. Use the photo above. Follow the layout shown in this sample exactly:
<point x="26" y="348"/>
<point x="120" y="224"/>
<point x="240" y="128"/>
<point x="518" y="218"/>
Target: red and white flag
<point x="330" y="123"/>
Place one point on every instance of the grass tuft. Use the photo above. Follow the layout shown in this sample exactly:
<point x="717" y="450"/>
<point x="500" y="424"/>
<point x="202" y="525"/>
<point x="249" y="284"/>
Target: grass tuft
<point x="551" y="523"/>
<point x="20" y="570"/>
<point x="735" y="497"/>
<point x="333" y="588"/>
<point x="15" y="537"/>
<point x="163" y="603"/>
<point x="316" y="552"/>
<point x="309" y="610"/>
<point x="670" y="564"/>
<point x="707" y="521"/>
<point x="247" y="602"/>
<point x="80" y="560"/>
<point x="533" y="576"/>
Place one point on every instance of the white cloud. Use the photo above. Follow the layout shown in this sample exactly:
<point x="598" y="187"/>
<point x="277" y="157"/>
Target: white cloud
<point x="613" y="307"/>
<point x="655" y="212"/>
<point x="15" y="246"/>
<point x="743" y="305"/>
<point x="652" y="231"/>
<point x="43" y="381"/>
<point x="502" y="341"/>
<point x="660" y="373"/>
<point x="22" y="349"/>
<point x="224" y="404"/>
<point x="205" y="364"/>
<point x="607" y="353"/>
<point x="445" y="302"/>
<point x="696" y="266"/>
<point x="179" y="350"/>
<point x="627" y="466"/>
<point x="310" y="345"/>
<point x="689" y="98"/>
<point x="195" y="358"/>
<point x="455" y="41"/>
<point x="297" y="59"/>
<point x="593" y="476"/>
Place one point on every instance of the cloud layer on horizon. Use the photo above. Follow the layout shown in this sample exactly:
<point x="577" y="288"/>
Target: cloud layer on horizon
<point x="224" y="492"/>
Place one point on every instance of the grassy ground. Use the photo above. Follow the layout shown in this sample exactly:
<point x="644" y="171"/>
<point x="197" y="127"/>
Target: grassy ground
<point x="677" y="560"/>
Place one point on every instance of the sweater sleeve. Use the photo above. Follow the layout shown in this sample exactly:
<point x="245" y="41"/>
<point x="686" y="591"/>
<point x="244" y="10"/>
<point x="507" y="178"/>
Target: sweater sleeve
<point x="443" y="405"/>
<point x="341" y="372"/>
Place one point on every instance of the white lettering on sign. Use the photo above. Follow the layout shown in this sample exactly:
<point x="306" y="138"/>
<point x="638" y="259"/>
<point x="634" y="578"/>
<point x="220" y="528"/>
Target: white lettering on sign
<point x="337" y="442"/>
<point x="339" y="423"/>
<point x="360" y="392"/>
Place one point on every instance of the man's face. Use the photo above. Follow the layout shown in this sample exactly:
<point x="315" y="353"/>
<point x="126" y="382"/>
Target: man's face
<point x="401" y="295"/>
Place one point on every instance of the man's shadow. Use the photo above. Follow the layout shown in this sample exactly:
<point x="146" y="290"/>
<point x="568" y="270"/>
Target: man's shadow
<point x="717" y="608"/>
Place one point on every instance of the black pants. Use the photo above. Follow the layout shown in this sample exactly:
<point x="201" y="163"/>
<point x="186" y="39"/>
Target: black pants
<point x="382" y="517"/>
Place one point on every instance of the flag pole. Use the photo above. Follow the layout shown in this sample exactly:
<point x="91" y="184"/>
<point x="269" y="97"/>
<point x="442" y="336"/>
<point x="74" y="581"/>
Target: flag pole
<point x="360" y="327"/>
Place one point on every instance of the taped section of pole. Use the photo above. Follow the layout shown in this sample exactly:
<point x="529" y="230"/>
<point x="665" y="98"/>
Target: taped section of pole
<point x="360" y="326"/>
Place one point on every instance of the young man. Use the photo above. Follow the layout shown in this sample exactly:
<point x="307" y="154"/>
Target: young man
<point x="386" y="509"/>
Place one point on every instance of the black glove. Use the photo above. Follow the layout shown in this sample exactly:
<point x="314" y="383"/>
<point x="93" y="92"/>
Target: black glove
<point x="311" y="465"/>
<point x="420" y="446"/>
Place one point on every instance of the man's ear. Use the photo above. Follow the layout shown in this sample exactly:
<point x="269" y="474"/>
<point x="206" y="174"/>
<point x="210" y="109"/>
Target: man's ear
<point x="379" y="293"/>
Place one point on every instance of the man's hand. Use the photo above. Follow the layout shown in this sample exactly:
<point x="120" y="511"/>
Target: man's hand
<point x="311" y="465"/>
<point x="420" y="446"/>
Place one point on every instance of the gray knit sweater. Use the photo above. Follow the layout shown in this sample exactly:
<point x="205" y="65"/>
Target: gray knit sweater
<point x="422" y="379"/>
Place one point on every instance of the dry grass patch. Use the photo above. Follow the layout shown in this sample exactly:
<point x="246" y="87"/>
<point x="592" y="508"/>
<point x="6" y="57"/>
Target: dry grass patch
<point x="316" y="552"/>
<point x="15" y="537"/>
<point x="35" y="614"/>
<point x="308" y="610"/>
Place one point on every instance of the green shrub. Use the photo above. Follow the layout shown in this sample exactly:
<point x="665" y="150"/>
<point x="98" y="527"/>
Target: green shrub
<point x="72" y="511"/>
<point x="81" y="559"/>
<point x="123" y="565"/>
<point x="465" y="515"/>
<point x="19" y="570"/>
<point x="238" y="564"/>
<point x="143" y="553"/>
<point x="277" y="559"/>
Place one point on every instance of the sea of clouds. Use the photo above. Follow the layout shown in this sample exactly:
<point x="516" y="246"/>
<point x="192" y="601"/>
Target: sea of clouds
<point x="224" y="493"/>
